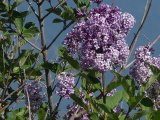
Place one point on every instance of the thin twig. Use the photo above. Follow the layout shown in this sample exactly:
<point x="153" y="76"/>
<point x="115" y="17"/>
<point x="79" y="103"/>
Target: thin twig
<point x="67" y="112"/>
<point x="54" y="9"/>
<point x="113" y="3"/>
<point x="137" y="34"/>
<point x="28" y="104"/>
<point x="58" y="35"/>
<point x="34" y="11"/>
<point x="26" y="40"/>
<point x="146" y="38"/>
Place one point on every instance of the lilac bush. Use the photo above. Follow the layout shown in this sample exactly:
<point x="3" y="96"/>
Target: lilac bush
<point x="96" y="47"/>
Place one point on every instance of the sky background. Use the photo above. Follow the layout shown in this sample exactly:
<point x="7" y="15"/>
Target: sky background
<point x="151" y="28"/>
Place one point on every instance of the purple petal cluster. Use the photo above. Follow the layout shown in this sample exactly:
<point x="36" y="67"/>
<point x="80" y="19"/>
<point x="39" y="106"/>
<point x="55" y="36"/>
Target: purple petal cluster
<point x="99" y="38"/>
<point x="65" y="84"/>
<point x="118" y="109"/>
<point x="34" y="94"/>
<point x="141" y="71"/>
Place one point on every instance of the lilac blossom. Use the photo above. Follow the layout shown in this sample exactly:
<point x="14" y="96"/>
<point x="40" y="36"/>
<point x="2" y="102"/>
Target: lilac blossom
<point x="141" y="72"/>
<point x="33" y="93"/>
<point x="65" y="84"/>
<point x="99" y="38"/>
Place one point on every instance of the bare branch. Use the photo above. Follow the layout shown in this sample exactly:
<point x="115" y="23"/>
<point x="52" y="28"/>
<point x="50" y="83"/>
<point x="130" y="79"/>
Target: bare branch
<point x="34" y="11"/>
<point x="58" y="35"/>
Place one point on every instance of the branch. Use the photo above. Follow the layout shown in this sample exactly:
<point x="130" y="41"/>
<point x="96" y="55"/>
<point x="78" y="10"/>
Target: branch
<point x="45" y="60"/>
<point x="58" y="35"/>
<point x="34" y="11"/>
<point x="137" y="34"/>
<point x="54" y="9"/>
<point x="26" y="40"/>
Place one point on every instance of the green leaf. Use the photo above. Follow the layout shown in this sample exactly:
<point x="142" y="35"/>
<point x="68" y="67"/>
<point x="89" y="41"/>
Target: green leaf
<point x="25" y="13"/>
<point x="84" y="3"/>
<point x="42" y="114"/>
<point x="29" y="25"/>
<point x="55" y="68"/>
<point x="65" y="15"/>
<point x="93" y="81"/>
<point x="61" y="51"/>
<point x="68" y="9"/>
<point x="16" y="3"/>
<point x="116" y="98"/>
<point x="140" y="114"/>
<point x="18" y="21"/>
<point x="79" y="102"/>
<point x="93" y="72"/>
<point x="148" y="84"/>
<point x="127" y="83"/>
<point x="77" y="2"/>
<point x="133" y="101"/>
<point x="155" y="71"/>
<point x="71" y="61"/>
<point x="93" y="116"/>
<point x="68" y="68"/>
<point x="100" y="107"/>
<point x="56" y="11"/>
<point x="31" y="30"/>
<point x="148" y="116"/>
<point x="57" y="20"/>
<point x="147" y="102"/>
<point x="10" y="32"/>
<point x="3" y="6"/>
<point x="63" y="3"/>
<point x="76" y="91"/>
<point x="24" y="53"/>
<point x="156" y="115"/>
<point x="18" y="117"/>
<point x="112" y="86"/>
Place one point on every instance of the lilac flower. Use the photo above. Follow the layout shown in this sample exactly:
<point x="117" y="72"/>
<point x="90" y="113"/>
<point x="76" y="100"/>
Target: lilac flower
<point x="33" y="91"/>
<point x="141" y="71"/>
<point x="65" y="84"/>
<point x="99" y="38"/>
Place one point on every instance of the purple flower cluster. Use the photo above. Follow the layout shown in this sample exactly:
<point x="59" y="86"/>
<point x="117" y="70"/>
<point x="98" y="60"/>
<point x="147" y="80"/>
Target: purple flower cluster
<point x="99" y="38"/>
<point x="118" y="109"/>
<point x="33" y="91"/>
<point x="141" y="71"/>
<point x="65" y="84"/>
